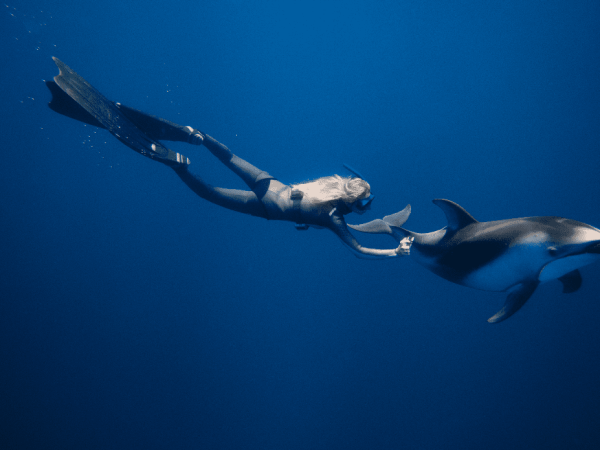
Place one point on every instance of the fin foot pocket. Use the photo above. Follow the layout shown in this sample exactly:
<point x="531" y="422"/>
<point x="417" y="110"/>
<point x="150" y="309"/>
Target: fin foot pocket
<point x="166" y="156"/>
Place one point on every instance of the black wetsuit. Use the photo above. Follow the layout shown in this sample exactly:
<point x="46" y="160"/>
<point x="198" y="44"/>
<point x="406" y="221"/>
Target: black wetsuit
<point x="267" y="198"/>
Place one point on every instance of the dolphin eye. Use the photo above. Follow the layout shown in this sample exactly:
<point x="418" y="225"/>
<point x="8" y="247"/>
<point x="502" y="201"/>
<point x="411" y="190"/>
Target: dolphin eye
<point x="552" y="250"/>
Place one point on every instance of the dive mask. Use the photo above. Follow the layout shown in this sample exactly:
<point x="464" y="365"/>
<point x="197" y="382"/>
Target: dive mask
<point x="363" y="205"/>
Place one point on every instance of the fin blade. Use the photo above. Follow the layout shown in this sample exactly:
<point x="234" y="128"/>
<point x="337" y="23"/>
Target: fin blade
<point x="398" y="219"/>
<point x="63" y="104"/>
<point x="456" y="215"/>
<point x="376" y="226"/>
<point x="571" y="281"/>
<point x="109" y="115"/>
<point x="88" y="97"/>
<point x="515" y="300"/>
<point x="155" y="127"/>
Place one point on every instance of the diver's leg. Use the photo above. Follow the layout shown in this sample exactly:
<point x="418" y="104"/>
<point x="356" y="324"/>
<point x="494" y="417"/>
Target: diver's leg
<point x="241" y="201"/>
<point x="250" y="174"/>
<point x="109" y="116"/>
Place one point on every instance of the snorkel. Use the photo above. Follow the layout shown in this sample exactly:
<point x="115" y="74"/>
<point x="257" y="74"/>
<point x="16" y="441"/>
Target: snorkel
<point x="363" y="205"/>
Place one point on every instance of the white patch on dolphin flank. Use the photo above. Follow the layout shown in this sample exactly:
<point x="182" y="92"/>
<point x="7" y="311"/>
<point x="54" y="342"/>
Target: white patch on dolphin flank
<point x="518" y="263"/>
<point x="534" y="238"/>
<point x="586" y="234"/>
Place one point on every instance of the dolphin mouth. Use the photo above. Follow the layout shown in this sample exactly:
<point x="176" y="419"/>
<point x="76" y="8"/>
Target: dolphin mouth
<point x="593" y="248"/>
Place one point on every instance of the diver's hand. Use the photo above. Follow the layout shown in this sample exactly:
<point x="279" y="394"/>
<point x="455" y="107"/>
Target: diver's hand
<point x="404" y="247"/>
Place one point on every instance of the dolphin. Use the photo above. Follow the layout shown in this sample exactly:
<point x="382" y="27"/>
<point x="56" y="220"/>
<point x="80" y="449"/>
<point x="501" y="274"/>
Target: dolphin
<point x="513" y="255"/>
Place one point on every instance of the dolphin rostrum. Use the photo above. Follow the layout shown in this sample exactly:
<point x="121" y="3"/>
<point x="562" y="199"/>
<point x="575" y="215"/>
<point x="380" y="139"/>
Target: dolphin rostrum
<point x="513" y="255"/>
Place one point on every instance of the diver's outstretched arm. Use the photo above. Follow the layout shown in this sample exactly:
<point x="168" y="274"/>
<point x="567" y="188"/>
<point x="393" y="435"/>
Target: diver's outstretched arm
<point x="358" y="250"/>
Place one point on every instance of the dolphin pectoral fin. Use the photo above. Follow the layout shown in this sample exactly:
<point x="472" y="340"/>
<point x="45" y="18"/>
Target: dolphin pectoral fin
<point x="516" y="298"/>
<point x="571" y="281"/>
<point x="398" y="219"/>
<point x="376" y="226"/>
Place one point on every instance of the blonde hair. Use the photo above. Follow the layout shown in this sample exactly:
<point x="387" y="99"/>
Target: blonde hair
<point x="331" y="189"/>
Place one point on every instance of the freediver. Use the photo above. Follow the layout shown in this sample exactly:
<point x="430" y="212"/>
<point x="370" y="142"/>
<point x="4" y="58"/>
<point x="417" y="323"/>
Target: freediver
<point x="321" y="203"/>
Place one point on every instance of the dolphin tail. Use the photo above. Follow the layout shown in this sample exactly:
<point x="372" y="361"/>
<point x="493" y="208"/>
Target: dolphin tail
<point x="398" y="219"/>
<point x="387" y="225"/>
<point x="376" y="226"/>
<point x="516" y="298"/>
<point x="392" y="225"/>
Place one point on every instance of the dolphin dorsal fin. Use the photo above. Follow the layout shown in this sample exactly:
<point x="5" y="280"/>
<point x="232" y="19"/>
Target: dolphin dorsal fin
<point x="456" y="215"/>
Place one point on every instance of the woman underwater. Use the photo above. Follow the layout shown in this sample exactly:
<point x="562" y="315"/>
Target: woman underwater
<point x="321" y="203"/>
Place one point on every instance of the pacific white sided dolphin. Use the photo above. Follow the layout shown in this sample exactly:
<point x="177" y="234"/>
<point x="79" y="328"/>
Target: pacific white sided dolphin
<point x="513" y="255"/>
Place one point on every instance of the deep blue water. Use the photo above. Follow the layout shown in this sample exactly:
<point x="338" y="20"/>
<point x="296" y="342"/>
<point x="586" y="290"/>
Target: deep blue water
<point x="133" y="314"/>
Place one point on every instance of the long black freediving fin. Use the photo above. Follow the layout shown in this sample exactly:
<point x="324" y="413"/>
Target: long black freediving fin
<point x="154" y="127"/>
<point x="108" y="115"/>
<point x="65" y="105"/>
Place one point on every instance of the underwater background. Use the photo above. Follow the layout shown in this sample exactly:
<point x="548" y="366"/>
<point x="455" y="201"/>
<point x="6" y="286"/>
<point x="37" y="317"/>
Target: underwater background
<point x="134" y="314"/>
